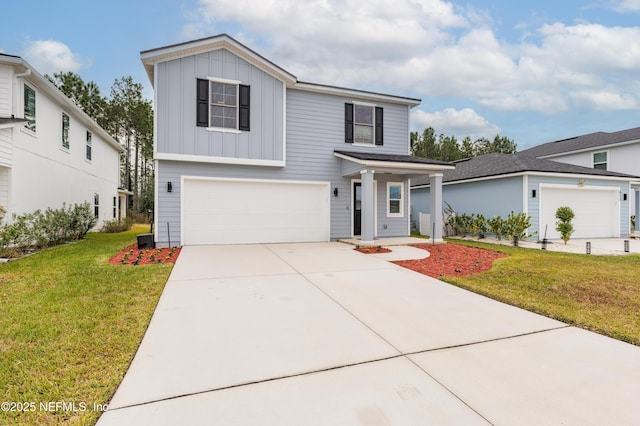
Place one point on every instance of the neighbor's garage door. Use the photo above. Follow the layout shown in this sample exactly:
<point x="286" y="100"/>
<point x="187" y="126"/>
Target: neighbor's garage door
<point x="597" y="211"/>
<point x="234" y="211"/>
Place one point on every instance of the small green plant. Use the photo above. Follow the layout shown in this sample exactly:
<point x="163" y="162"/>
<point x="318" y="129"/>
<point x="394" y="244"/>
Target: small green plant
<point x="497" y="227"/>
<point x="516" y="225"/>
<point x="478" y="226"/>
<point x="563" y="225"/>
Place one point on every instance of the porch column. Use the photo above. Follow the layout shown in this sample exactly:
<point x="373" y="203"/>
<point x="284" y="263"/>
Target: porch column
<point x="435" y="199"/>
<point x="368" y="208"/>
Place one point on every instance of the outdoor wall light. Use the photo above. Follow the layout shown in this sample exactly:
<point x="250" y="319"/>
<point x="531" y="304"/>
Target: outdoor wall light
<point x="581" y="183"/>
<point x="335" y="191"/>
<point x="169" y="187"/>
<point x="533" y="193"/>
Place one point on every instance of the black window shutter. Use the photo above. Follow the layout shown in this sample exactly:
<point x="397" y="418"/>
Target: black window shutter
<point x="379" y="127"/>
<point x="202" y="105"/>
<point x="244" y="107"/>
<point x="348" y="123"/>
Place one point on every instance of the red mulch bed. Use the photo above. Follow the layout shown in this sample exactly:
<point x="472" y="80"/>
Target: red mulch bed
<point x="133" y="256"/>
<point x="369" y="250"/>
<point x="448" y="260"/>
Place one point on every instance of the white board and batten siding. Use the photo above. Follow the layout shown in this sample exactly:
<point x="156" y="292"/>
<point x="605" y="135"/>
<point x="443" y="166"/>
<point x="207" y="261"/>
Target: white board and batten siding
<point x="246" y="211"/>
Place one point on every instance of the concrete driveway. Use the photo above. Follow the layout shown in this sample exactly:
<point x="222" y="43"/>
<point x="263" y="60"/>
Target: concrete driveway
<point x="293" y="334"/>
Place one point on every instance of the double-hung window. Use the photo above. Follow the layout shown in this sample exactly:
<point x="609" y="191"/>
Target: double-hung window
<point x="96" y="205"/>
<point x="65" y="131"/>
<point x="363" y="124"/>
<point x="30" y="107"/>
<point x="88" y="153"/>
<point x="395" y="205"/>
<point x="600" y="160"/>
<point x="223" y="105"/>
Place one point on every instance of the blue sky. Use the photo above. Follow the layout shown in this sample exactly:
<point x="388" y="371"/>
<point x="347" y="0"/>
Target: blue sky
<point x="532" y="71"/>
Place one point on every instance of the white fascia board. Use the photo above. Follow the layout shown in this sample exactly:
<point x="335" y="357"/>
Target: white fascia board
<point x="218" y="160"/>
<point x="359" y="94"/>
<point x="387" y="165"/>
<point x="151" y="57"/>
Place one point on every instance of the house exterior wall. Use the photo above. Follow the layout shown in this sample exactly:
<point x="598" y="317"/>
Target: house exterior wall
<point x="39" y="173"/>
<point x="314" y="129"/>
<point x="176" y="109"/>
<point x="534" y="182"/>
<point x="495" y="197"/>
<point x="6" y="75"/>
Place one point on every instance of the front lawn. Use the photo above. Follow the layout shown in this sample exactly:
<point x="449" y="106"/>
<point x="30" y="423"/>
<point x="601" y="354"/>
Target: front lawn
<point x="598" y="293"/>
<point x="70" y="324"/>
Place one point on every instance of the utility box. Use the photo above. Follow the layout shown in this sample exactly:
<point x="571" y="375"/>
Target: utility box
<point x="145" y="241"/>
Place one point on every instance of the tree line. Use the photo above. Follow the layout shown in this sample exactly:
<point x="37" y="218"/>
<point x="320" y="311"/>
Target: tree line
<point x="448" y="148"/>
<point x="128" y="118"/>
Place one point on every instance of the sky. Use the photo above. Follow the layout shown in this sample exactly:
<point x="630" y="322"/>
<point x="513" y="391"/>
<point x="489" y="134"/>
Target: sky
<point x="531" y="71"/>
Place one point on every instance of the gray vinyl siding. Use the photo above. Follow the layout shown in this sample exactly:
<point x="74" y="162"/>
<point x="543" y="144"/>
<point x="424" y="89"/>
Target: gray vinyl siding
<point x="315" y="129"/>
<point x="496" y="197"/>
<point x="534" y="203"/>
<point x="177" y="132"/>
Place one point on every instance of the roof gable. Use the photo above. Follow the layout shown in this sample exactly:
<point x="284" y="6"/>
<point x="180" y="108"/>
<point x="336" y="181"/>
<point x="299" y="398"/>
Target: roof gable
<point x="223" y="41"/>
<point x="584" y="142"/>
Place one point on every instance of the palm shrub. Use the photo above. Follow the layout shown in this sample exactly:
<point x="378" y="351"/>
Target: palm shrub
<point x="564" y="216"/>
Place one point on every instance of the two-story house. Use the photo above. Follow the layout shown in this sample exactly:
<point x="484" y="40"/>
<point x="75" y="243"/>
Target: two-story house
<point x="51" y="152"/>
<point x="615" y="151"/>
<point x="247" y="153"/>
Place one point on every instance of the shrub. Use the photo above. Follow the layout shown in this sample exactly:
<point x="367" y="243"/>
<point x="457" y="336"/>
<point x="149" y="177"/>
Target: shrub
<point x="563" y="225"/>
<point x="516" y="225"/>
<point x="46" y="229"/>
<point x="117" y="225"/>
<point x="478" y="226"/>
<point x="497" y="227"/>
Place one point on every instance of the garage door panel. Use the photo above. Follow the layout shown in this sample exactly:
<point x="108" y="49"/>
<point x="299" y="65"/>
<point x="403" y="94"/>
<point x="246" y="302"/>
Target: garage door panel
<point x="235" y="212"/>
<point x="597" y="211"/>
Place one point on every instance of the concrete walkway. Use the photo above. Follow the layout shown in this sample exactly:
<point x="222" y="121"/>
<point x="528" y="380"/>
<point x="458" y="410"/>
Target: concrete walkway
<point x="319" y="334"/>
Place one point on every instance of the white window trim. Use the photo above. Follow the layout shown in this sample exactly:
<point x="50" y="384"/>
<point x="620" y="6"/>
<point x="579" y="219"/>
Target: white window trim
<point x="373" y="126"/>
<point x="593" y="163"/>
<point x="389" y="185"/>
<point x="225" y="129"/>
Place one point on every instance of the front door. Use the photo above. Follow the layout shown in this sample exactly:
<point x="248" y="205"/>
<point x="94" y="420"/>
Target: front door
<point x="357" y="208"/>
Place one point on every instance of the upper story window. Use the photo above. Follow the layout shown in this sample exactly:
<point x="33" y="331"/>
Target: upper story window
<point x="223" y="105"/>
<point x="30" y="107"/>
<point x="88" y="153"/>
<point x="600" y="160"/>
<point x="363" y="124"/>
<point x="65" y="131"/>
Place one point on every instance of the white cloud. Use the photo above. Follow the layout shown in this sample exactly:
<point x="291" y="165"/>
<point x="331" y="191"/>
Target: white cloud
<point x="461" y="123"/>
<point x="433" y="48"/>
<point x="626" y="5"/>
<point x="50" y="56"/>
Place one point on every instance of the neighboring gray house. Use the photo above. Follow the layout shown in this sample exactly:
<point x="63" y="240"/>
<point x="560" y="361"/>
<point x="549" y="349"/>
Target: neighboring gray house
<point x="496" y="184"/>
<point x="246" y="153"/>
<point x="616" y="151"/>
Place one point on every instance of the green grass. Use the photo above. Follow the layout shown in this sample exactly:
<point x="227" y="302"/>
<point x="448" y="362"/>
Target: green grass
<point x="70" y="324"/>
<point x="597" y="293"/>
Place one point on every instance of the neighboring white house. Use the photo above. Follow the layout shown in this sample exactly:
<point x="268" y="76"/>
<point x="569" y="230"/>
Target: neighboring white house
<point x="51" y="152"/>
<point x="615" y="151"/>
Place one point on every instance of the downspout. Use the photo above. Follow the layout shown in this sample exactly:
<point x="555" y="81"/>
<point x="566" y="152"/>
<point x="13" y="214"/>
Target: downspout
<point x="24" y="74"/>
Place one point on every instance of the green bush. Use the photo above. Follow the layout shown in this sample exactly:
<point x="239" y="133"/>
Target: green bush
<point x="563" y="225"/>
<point x="117" y="225"/>
<point x="516" y="225"/>
<point x="477" y="225"/>
<point x="46" y="229"/>
<point x="497" y="227"/>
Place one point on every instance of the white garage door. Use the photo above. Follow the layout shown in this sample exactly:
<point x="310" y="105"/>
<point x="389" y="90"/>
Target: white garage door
<point x="235" y="211"/>
<point x="597" y="211"/>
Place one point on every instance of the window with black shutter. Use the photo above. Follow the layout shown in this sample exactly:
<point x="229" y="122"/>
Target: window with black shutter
<point x="221" y="104"/>
<point x="363" y="124"/>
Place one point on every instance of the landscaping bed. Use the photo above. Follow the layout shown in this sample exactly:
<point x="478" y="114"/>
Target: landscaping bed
<point x="373" y="250"/>
<point x="452" y="260"/>
<point x="132" y="255"/>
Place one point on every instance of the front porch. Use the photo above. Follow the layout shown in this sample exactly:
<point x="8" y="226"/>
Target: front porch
<point x="396" y="171"/>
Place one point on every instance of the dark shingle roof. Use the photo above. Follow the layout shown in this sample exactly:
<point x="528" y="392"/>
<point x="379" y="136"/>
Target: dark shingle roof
<point x="592" y="140"/>
<point x="370" y="156"/>
<point x="503" y="164"/>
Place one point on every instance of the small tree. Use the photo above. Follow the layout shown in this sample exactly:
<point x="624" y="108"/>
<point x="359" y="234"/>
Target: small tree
<point x="563" y="225"/>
